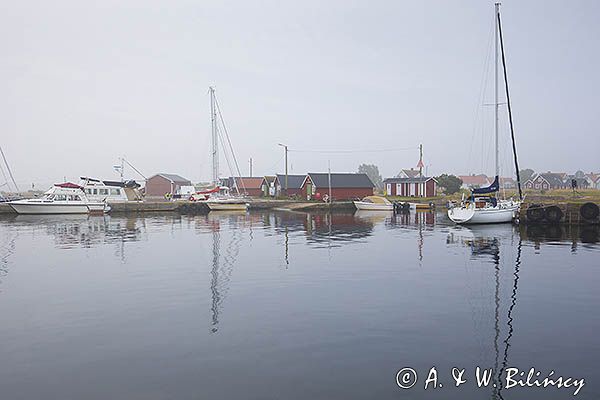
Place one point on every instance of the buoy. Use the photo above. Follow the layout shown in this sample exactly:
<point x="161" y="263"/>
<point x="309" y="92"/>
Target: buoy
<point x="589" y="211"/>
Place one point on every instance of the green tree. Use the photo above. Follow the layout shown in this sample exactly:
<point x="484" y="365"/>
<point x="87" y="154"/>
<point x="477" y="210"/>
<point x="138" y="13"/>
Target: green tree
<point x="450" y="183"/>
<point x="373" y="173"/>
<point x="526" y="174"/>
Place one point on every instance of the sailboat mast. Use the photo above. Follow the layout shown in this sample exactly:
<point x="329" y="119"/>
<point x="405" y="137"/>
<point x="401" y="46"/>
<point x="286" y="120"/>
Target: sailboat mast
<point x="510" y="119"/>
<point x="496" y="104"/>
<point x="215" y="138"/>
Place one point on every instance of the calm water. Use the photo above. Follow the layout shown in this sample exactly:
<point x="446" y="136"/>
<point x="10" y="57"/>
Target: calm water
<point x="291" y="306"/>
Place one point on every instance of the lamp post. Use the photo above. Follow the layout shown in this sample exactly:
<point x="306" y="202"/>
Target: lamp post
<point x="286" y="167"/>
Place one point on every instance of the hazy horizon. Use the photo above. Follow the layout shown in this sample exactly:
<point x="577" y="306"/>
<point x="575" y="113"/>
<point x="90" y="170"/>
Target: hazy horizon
<point x="86" y="83"/>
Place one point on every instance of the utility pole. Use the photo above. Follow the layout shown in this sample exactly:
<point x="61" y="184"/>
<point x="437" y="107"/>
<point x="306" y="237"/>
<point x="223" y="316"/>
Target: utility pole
<point x="421" y="165"/>
<point x="329" y="180"/>
<point x="286" y="167"/>
<point x="251" y="166"/>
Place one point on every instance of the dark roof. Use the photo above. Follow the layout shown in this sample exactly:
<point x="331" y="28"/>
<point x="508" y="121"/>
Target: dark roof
<point x="321" y="180"/>
<point x="294" y="181"/>
<point x="408" y="180"/>
<point x="553" y="179"/>
<point x="173" y="178"/>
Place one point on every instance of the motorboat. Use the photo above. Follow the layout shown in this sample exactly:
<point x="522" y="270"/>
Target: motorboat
<point x="62" y="198"/>
<point x="111" y="191"/>
<point x="421" y="206"/>
<point x="374" y="203"/>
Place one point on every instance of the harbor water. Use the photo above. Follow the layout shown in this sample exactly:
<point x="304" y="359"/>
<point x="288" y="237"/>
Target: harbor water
<point x="293" y="305"/>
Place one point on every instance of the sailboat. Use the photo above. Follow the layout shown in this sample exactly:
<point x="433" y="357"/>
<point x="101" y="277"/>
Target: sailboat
<point x="222" y="199"/>
<point x="482" y="207"/>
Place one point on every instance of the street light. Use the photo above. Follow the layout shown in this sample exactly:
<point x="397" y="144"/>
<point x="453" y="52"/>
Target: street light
<point x="286" y="166"/>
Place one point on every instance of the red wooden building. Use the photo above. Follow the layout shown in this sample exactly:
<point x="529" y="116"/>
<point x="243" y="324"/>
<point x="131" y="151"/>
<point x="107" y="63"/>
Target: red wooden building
<point x="161" y="184"/>
<point x="343" y="186"/>
<point x="411" y="187"/>
<point x="294" y="184"/>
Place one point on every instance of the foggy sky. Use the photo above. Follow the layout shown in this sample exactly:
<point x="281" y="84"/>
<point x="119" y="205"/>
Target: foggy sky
<point x="84" y="83"/>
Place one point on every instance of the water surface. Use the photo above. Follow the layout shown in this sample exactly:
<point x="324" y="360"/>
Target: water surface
<point x="290" y="306"/>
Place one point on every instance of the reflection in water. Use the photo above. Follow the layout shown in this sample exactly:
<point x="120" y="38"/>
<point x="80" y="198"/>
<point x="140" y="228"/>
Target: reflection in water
<point x="7" y="249"/>
<point x="335" y="229"/>
<point x="513" y="303"/>
<point x="556" y="234"/>
<point x="484" y="243"/>
<point x="222" y="265"/>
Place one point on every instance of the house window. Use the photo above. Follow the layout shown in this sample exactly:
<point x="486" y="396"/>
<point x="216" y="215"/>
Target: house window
<point x="389" y="189"/>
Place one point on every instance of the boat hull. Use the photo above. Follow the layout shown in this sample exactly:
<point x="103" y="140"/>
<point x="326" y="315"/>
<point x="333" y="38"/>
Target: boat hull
<point x="361" y="205"/>
<point x="217" y="206"/>
<point x="464" y="215"/>
<point x="420" y="206"/>
<point x="41" y="208"/>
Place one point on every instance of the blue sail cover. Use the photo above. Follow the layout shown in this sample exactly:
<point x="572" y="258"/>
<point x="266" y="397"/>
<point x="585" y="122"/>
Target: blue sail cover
<point x="494" y="187"/>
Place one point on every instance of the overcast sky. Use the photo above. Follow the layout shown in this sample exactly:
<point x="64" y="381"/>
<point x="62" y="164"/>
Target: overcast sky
<point x="84" y="83"/>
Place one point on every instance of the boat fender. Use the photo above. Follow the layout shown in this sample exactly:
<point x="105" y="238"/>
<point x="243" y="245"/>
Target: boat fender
<point x="553" y="214"/>
<point x="589" y="211"/>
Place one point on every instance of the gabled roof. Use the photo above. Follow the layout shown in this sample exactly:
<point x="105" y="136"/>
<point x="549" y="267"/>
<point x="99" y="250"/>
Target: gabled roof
<point x="593" y="177"/>
<point x="173" y="178"/>
<point x="411" y="173"/>
<point x="339" y="181"/>
<point x="294" y="181"/>
<point x="270" y="178"/>
<point x="417" y="179"/>
<point x="554" y="179"/>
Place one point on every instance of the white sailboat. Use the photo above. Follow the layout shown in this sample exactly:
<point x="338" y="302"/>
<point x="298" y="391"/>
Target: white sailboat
<point x="482" y="207"/>
<point x="223" y="200"/>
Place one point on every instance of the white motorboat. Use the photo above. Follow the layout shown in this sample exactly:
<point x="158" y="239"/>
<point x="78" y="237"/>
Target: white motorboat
<point x="374" y="203"/>
<point x="63" y="198"/>
<point x="478" y="209"/>
<point x="111" y="191"/>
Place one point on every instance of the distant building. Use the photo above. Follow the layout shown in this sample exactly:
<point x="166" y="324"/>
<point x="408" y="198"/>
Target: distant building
<point x="161" y="184"/>
<point x="546" y="181"/>
<point x="508" y="183"/>
<point x="475" y="181"/>
<point x="408" y="173"/>
<point x="344" y="186"/>
<point x="249" y="185"/>
<point x="593" y="180"/>
<point x="411" y="187"/>
<point x="294" y="182"/>
<point x="271" y="186"/>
